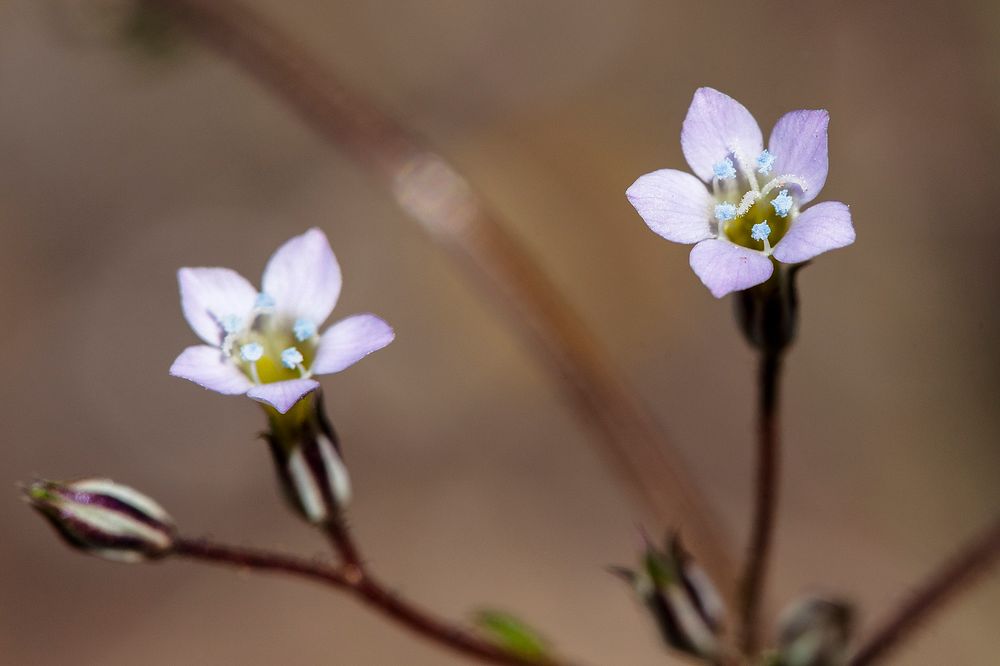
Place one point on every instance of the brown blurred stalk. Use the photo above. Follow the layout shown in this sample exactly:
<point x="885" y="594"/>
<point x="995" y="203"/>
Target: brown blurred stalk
<point x="972" y="561"/>
<point x="431" y="192"/>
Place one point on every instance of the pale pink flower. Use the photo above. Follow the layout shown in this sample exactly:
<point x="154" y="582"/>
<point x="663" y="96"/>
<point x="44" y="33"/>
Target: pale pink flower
<point x="738" y="216"/>
<point x="266" y="344"/>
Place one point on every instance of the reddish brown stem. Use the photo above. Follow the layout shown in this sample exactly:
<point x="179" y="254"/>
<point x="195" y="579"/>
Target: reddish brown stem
<point x="971" y="562"/>
<point x="365" y="588"/>
<point x="343" y="543"/>
<point x="435" y="195"/>
<point x="765" y="503"/>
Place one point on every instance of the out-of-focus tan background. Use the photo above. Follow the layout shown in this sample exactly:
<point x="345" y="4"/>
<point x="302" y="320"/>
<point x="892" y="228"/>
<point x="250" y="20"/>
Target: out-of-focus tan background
<point x="475" y="484"/>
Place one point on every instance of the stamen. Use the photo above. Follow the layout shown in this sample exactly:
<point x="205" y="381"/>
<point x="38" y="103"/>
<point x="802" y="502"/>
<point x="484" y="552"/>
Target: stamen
<point x="291" y="358"/>
<point x="251" y="352"/>
<point x="231" y="324"/>
<point x="760" y="232"/>
<point x="303" y="329"/>
<point x="264" y="301"/>
<point x="782" y="203"/>
<point x="725" y="212"/>
<point x="765" y="161"/>
<point x="724" y="170"/>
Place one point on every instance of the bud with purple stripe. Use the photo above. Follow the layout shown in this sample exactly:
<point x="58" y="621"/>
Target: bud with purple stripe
<point x="104" y="518"/>
<point x="687" y="609"/>
<point x="307" y="459"/>
<point x="814" y="632"/>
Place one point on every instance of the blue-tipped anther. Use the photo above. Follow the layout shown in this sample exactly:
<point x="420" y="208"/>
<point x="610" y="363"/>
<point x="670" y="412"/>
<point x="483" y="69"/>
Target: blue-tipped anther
<point x="765" y="161"/>
<point x="291" y="358"/>
<point x="725" y="211"/>
<point x="760" y="231"/>
<point x="231" y="324"/>
<point x="724" y="169"/>
<point x="264" y="301"/>
<point x="782" y="203"/>
<point x="303" y="329"/>
<point x="251" y="352"/>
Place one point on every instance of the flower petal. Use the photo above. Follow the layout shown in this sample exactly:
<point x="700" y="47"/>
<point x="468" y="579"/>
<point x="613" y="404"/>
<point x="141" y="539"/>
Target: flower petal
<point x="825" y="226"/>
<point x="282" y="395"/>
<point x="799" y="145"/>
<point x="350" y="340"/>
<point x="303" y="277"/>
<point x="209" y="368"/>
<point x="674" y="204"/>
<point x="717" y="125"/>
<point x="725" y="267"/>
<point x="208" y="295"/>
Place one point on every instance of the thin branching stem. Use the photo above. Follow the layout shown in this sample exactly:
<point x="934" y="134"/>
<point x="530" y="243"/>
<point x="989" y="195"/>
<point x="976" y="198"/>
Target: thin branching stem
<point x="765" y="503"/>
<point x="973" y="560"/>
<point x="358" y="582"/>
<point x="436" y="196"/>
<point x="340" y="537"/>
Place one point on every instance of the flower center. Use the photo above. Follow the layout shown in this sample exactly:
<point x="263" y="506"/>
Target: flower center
<point x="752" y="208"/>
<point x="740" y="230"/>
<point x="270" y="348"/>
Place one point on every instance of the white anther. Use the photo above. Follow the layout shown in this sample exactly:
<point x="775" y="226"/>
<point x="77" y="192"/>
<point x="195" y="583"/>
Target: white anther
<point x="291" y="358"/>
<point x="251" y="352"/>
<point x="303" y="329"/>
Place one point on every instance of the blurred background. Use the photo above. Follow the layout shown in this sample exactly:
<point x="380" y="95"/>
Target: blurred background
<point x="475" y="484"/>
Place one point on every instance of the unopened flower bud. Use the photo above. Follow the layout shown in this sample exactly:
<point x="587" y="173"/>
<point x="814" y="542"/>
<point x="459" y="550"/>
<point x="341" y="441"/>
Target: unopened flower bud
<point x="307" y="458"/>
<point x="682" y="599"/>
<point x="815" y="632"/>
<point x="104" y="518"/>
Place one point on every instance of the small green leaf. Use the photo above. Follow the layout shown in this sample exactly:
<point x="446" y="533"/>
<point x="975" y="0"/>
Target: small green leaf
<point x="512" y="634"/>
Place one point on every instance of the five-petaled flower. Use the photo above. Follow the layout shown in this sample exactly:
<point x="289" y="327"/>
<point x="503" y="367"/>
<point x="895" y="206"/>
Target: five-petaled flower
<point x="267" y="344"/>
<point x="746" y="216"/>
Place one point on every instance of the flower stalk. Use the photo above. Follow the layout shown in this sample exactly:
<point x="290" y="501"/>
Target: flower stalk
<point x="765" y="502"/>
<point x="367" y="589"/>
<point x="768" y="317"/>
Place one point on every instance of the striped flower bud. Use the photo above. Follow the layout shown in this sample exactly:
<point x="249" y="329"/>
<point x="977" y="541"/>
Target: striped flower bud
<point x="682" y="599"/>
<point x="815" y="632"/>
<point x="307" y="458"/>
<point x="104" y="518"/>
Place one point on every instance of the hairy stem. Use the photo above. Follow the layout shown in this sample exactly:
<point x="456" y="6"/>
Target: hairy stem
<point x="367" y="589"/>
<point x="437" y="197"/>
<point x="340" y="537"/>
<point x="765" y="503"/>
<point x="972" y="561"/>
